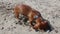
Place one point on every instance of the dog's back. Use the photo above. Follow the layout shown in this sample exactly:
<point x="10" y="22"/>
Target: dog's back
<point x="23" y="9"/>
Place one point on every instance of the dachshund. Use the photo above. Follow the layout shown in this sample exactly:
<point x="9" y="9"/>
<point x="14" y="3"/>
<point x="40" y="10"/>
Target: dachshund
<point x="40" y="24"/>
<point x="32" y="15"/>
<point x="27" y="11"/>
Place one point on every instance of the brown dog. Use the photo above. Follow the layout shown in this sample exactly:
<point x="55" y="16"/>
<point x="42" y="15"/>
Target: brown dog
<point x="27" y="11"/>
<point x="40" y="24"/>
<point x="31" y="14"/>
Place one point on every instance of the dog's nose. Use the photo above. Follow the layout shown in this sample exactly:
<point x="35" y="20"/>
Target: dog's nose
<point x="45" y="21"/>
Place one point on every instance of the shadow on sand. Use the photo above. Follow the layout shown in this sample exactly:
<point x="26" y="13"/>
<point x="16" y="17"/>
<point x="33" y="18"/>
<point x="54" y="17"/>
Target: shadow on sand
<point x="49" y="26"/>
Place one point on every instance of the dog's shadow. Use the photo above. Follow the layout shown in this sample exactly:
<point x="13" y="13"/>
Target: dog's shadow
<point x="49" y="26"/>
<point x="23" y="20"/>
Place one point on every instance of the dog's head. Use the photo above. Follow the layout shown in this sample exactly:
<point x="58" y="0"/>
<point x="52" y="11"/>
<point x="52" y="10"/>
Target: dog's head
<point x="40" y="26"/>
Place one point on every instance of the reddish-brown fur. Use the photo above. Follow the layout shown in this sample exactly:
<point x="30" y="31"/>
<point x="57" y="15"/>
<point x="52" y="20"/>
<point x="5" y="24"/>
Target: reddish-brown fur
<point x="40" y="24"/>
<point x="26" y="11"/>
<point x="30" y="13"/>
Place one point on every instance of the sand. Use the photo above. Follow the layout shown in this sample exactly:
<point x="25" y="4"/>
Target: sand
<point x="49" y="9"/>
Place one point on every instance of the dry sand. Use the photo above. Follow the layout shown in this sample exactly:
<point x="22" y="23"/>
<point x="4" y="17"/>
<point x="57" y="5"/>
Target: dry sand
<point x="49" y="9"/>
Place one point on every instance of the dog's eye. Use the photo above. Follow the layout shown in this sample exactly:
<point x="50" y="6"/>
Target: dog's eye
<point x="35" y="16"/>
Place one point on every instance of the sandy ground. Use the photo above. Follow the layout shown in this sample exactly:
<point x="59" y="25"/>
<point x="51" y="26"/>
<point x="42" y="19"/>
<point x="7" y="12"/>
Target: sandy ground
<point x="49" y="9"/>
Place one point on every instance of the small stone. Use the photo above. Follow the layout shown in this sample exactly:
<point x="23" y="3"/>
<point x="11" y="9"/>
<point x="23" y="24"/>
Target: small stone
<point x="53" y="17"/>
<point x="56" y="31"/>
<point x="4" y="18"/>
<point x="11" y="25"/>
<point x="14" y="27"/>
<point x="16" y="23"/>
<point x="2" y="28"/>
